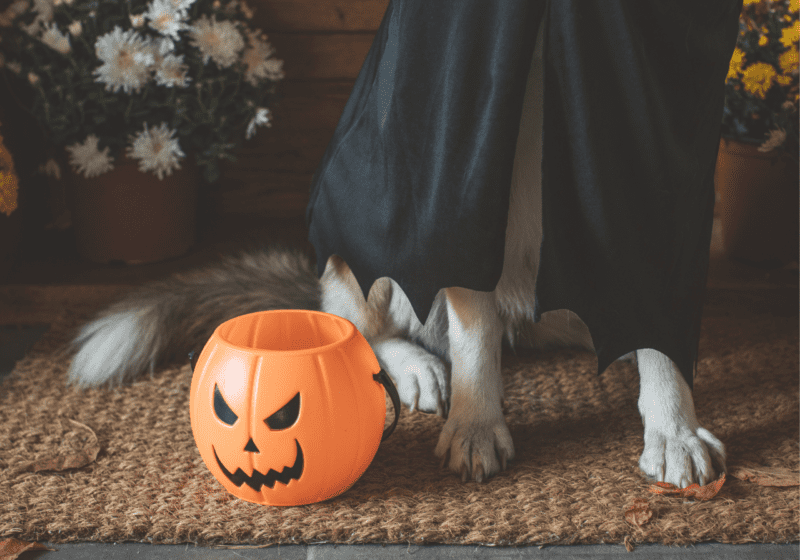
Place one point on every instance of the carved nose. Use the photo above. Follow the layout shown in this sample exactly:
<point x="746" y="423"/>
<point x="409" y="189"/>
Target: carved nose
<point x="251" y="446"/>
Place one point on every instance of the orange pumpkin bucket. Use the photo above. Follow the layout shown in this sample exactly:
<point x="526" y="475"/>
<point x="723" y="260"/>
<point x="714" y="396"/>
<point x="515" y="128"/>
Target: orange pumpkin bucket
<point x="287" y="407"/>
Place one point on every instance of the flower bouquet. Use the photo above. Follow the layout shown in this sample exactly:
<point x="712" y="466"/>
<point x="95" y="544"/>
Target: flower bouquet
<point x="152" y="80"/>
<point x="761" y="89"/>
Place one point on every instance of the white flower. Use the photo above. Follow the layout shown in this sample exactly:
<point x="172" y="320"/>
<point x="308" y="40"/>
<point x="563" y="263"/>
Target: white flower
<point x="54" y="39"/>
<point x="137" y="20"/>
<point x="88" y="160"/>
<point x="156" y="150"/>
<point x="44" y="15"/>
<point x="165" y="19"/>
<point x="33" y="78"/>
<point x="126" y="57"/>
<point x="273" y="69"/>
<point x="256" y="58"/>
<point x="181" y="5"/>
<point x="217" y="40"/>
<point x="262" y="118"/>
<point x="75" y="28"/>
<point x="775" y="139"/>
<point x="172" y="72"/>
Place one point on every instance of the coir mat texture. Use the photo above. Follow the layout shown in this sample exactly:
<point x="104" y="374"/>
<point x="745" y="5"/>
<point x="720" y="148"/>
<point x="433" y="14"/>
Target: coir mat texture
<point x="578" y="438"/>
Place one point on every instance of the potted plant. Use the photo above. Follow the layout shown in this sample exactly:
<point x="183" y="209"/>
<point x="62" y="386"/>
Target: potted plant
<point x="135" y="96"/>
<point x="757" y="168"/>
<point x="9" y="219"/>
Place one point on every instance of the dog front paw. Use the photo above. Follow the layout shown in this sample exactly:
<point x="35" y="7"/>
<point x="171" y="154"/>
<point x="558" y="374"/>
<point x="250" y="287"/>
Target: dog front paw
<point x="477" y="450"/>
<point x="420" y="377"/>
<point x="682" y="458"/>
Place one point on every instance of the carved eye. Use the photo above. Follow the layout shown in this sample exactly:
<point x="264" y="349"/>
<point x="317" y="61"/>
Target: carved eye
<point x="286" y="416"/>
<point x="222" y="409"/>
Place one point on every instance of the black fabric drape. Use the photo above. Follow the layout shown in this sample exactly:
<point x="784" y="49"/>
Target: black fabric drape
<point x="415" y="182"/>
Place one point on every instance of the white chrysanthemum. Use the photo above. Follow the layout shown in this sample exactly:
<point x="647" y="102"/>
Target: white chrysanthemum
<point x="126" y="57"/>
<point x="172" y="72"/>
<point x="56" y="40"/>
<point x="88" y="160"/>
<point x="165" y="18"/>
<point x="156" y="150"/>
<point x="219" y="41"/>
<point x="181" y="5"/>
<point x="776" y="138"/>
<point x="257" y="59"/>
<point x="44" y="15"/>
<point x="262" y="118"/>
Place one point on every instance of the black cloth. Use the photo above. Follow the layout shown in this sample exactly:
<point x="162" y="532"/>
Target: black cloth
<point x="415" y="182"/>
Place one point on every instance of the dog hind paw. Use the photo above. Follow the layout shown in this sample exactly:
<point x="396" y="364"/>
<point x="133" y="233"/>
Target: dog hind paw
<point x="683" y="458"/>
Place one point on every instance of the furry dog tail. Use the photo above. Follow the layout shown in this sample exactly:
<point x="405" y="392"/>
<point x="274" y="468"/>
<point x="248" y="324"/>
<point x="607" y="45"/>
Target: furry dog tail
<point x="162" y="321"/>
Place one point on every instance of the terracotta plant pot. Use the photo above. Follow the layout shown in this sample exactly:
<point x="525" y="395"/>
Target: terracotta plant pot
<point x="134" y="217"/>
<point x="10" y="236"/>
<point x="758" y="195"/>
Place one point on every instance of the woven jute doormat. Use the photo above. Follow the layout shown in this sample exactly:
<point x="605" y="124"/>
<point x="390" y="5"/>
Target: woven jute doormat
<point x="578" y="438"/>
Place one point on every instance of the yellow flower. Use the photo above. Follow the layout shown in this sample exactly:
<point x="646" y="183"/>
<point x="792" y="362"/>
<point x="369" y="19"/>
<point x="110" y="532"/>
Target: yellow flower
<point x="757" y="78"/>
<point x="788" y="61"/>
<point x="749" y="2"/>
<point x="737" y="60"/>
<point x="783" y="80"/>
<point x="794" y="5"/>
<point x="8" y="181"/>
<point x="763" y="40"/>
<point x="790" y="34"/>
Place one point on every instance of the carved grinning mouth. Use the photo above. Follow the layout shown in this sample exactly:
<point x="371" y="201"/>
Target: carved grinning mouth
<point x="257" y="480"/>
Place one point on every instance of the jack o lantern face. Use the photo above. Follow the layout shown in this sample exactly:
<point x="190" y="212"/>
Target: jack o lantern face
<point x="284" y="407"/>
<point x="282" y="419"/>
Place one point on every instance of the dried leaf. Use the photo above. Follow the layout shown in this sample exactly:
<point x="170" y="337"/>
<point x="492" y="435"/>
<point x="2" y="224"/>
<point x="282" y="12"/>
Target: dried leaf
<point x="628" y="544"/>
<point x="692" y="491"/>
<point x="74" y="460"/>
<point x="639" y="513"/>
<point x="10" y="549"/>
<point x="767" y="476"/>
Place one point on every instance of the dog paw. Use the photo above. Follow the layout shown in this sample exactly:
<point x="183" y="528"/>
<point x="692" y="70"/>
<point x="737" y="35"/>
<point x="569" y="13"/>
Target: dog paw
<point x="419" y="376"/>
<point x="477" y="450"/>
<point x="682" y="458"/>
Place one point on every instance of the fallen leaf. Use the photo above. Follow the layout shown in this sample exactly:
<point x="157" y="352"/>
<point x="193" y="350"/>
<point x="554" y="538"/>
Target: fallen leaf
<point x="74" y="460"/>
<point x="10" y="549"/>
<point x="767" y="476"/>
<point x="628" y="544"/>
<point x="639" y="513"/>
<point x="692" y="491"/>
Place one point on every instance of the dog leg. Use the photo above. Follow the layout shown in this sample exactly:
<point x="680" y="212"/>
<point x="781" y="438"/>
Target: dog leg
<point x="475" y="435"/>
<point x="385" y="319"/>
<point x="677" y="449"/>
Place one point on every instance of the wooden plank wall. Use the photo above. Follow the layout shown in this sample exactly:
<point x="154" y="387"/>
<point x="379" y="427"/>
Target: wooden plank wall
<point x="323" y="44"/>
